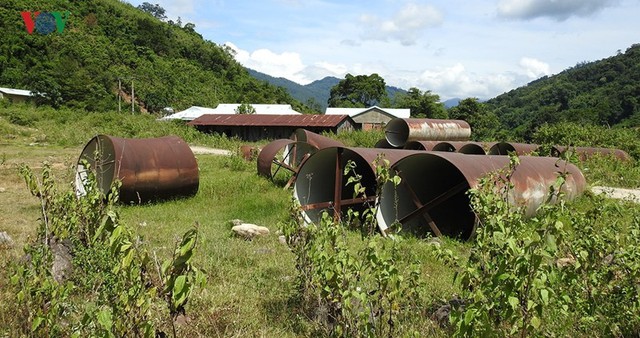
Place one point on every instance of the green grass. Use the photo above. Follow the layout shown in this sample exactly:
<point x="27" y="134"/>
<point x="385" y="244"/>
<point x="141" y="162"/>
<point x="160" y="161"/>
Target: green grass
<point x="251" y="285"/>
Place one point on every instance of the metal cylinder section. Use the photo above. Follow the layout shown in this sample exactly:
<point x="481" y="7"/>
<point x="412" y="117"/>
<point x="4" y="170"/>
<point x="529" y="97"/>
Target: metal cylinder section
<point x="432" y="196"/>
<point x="585" y="153"/>
<point x="504" y="148"/>
<point x="150" y="169"/>
<point x="282" y="153"/>
<point x="384" y="144"/>
<point x="321" y="183"/>
<point x="400" y="131"/>
<point x="316" y="140"/>
<point x="421" y="145"/>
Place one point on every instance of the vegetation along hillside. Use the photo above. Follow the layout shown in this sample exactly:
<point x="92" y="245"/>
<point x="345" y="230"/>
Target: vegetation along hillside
<point x="167" y="63"/>
<point x="605" y="92"/>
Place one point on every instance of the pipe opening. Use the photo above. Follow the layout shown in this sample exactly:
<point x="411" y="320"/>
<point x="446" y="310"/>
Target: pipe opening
<point x="472" y="148"/>
<point x="397" y="132"/>
<point x="444" y="146"/>
<point x="315" y="186"/>
<point x="432" y="181"/>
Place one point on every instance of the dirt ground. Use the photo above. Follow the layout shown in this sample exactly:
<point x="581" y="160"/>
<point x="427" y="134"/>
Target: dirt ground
<point x="632" y="195"/>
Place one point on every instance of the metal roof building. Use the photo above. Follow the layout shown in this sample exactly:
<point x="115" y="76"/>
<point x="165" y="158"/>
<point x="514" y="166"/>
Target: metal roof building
<point x="15" y="95"/>
<point x="372" y="117"/>
<point x="253" y="127"/>
<point x="194" y="112"/>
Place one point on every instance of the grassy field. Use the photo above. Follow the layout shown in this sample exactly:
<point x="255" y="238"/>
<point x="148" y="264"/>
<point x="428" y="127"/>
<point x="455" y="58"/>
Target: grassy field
<point x="251" y="288"/>
<point x="251" y="285"/>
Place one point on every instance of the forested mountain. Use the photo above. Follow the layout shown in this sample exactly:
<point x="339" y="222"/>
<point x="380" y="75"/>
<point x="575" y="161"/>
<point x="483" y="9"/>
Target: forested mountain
<point x="315" y="94"/>
<point x="167" y="63"/>
<point x="605" y="92"/>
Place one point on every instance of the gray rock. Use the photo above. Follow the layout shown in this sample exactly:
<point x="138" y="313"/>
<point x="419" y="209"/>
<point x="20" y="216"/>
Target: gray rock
<point x="3" y="189"/>
<point x="282" y="239"/>
<point x="62" y="267"/>
<point x="249" y="231"/>
<point x="441" y="315"/>
<point x="5" y="239"/>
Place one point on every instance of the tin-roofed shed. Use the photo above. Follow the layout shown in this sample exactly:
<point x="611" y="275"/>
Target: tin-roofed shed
<point x="253" y="127"/>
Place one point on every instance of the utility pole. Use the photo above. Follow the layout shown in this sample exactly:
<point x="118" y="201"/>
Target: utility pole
<point x="133" y="98"/>
<point x="119" y="96"/>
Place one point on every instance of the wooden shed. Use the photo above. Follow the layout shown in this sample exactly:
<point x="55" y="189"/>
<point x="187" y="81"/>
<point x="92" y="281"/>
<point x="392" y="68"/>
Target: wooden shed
<point x="372" y="117"/>
<point x="254" y="127"/>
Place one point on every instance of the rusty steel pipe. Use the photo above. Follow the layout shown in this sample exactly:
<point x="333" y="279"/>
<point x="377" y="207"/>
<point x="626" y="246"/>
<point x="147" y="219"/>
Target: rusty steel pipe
<point x="504" y="148"/>
<point x="400" y="131"/>
<point x="150" y="169"/>
<point x="322" y="185"/>
<point x="421" y="145"/>
<point x="432" y="195"/>
<point x="585" y="153"/>
<point x="316" y="140"/>
<point x="475" y="148"/>
<point x="384" y="144"/>
<point x="282" y="153"/>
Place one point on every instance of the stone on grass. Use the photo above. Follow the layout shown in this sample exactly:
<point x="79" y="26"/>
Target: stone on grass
<point x="5" y="239"/>
<point x="250" y="231"/>
<point x="62" y="267"/>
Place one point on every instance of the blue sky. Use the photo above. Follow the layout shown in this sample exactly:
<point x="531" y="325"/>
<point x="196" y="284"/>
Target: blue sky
<point x="454" y="48"/>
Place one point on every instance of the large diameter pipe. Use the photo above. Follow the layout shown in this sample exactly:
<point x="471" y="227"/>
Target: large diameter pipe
<point x="585" y="153"/>
<point x="322" y="185"/>
<point x="316" y="140"/>
<point x="400" y="131"/>
<point x="421" y="145"/>
<point x="384" y="144"/>
<point x="477" y="148"/>
<point x="282" y="153"/>
<point x="149" y="168"/>
<point x="504" y="148"/>
<point x="432" y="196"/>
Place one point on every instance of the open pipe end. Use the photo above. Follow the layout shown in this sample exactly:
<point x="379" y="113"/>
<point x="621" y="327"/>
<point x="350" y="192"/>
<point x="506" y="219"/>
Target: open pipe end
<point x="315" y="185"/>
<point x="444" y="189"/>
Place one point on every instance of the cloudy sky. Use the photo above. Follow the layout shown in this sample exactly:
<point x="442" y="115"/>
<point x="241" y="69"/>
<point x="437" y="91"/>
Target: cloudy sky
<point x="455" y="48"/>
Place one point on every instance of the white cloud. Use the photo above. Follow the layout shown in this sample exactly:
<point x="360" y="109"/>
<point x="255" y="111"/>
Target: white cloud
<point x="534" y="68"/>
<point x="287" y="64"/>
<point x="559" y="10"/>
<point x="405" y="26"/>
<point x="456" y="81"/>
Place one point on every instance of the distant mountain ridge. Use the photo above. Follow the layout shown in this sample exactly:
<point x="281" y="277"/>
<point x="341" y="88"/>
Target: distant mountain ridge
<point x="315" y="93"/>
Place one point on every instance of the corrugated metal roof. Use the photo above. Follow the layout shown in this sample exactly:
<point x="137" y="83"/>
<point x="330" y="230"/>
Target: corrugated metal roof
<point x="397" y="112"/>
<point x="315" y="120"/>
<point x="19" y="92"/>
<point x="230" y="108"/>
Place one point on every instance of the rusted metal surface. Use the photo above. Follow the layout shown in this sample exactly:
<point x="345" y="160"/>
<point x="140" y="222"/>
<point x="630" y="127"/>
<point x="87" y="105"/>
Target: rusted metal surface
<point x="435" y="184"/>
<point x="316" y="140"/>
<point x="149" y="169"/>
<point x="249" y="152"/>
<point x="400" y="131"/>
<point x="384" y="144"/>
<point x="420" y="145"/>
<point x="282" y="154"/>
<point x="504" y="148"/>
<point x="321" y="182"/>
<point x="584" y="153"/>
<point x="477" y="148"/>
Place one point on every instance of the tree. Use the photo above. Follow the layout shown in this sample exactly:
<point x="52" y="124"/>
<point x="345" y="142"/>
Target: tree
<point x="156" y="10"/>
<point x="422" y="105"/>
<point x="358" y="91"/>
<point x="245" y="108"/>
<point x="484" y="123"/>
